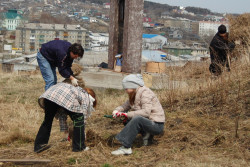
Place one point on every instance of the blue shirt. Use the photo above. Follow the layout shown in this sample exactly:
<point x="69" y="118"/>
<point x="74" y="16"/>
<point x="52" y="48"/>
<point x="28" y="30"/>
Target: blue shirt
<point x="57" y="54"/>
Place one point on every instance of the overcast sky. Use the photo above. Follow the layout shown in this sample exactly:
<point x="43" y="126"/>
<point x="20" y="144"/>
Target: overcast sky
<point x="221" y="6"/>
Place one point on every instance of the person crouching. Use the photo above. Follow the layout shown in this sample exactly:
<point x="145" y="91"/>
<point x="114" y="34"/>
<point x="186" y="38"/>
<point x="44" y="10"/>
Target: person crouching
<point x="146" y="114"/>
<point x="77" y="103"/>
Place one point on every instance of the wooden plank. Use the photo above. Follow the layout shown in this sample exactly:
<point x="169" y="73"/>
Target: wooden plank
<point x="26" y="161"/>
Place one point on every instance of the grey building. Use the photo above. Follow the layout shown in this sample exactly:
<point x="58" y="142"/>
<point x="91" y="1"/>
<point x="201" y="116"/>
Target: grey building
<point x="31" y="36"/>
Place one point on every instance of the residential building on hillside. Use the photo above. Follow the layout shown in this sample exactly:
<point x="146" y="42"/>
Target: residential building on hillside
<point x="99" y="41"/>
<point x="172" y="33"/>
<point x="100" y="38"/>
<point x="208" y="28"/>
<point x="153" y="41"/>
<point x="179" y="49"/>
<point x="195" y="27"/>
<point x="31" y="36"/>
<point x="165" y="15"/>
<point x="176" y="34"/>
<point x="92" y="20"/>
<point x="12" y="19"/>
<point x="106" y="5"/>
<point x="179" y="23"/>
<point x="200" y="51"/>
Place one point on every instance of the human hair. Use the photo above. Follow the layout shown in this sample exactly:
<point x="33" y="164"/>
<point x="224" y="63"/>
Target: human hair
<point x="77" y="49"/>
<point x="92" y="93"/>
<point x="132" y="97"/>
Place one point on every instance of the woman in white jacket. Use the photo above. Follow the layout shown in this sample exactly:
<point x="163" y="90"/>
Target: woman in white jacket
<point x="145" y="113"/>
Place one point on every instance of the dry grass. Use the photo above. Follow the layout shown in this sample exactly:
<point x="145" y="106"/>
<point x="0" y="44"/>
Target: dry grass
<point x="207" y="123"/>
<point x="239" y="30"/>
<point x="200" y="127"/>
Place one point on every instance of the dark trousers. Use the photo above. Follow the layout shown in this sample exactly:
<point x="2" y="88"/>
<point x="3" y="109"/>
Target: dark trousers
<point x="137" y="125"/>
<point x="45" y="129"/>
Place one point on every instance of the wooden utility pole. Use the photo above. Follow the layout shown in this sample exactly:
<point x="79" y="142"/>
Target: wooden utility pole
<point x="125" y="33"/>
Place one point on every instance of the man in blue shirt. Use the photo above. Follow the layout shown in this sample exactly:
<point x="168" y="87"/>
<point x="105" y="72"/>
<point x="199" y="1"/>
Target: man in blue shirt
<point x="59" y="54"/>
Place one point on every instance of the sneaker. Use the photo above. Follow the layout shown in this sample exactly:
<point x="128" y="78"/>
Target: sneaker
<point x="122" y="151"/>
<point x="41" y="148"/>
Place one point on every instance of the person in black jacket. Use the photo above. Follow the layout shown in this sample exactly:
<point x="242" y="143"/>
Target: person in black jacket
<point x="219" y="48"/>
<point x="59" y="54"/>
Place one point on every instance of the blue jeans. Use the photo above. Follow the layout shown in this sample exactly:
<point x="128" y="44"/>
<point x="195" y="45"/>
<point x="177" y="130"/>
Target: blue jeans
<point x="136" y="125"/>
<point x="48" y="71"/>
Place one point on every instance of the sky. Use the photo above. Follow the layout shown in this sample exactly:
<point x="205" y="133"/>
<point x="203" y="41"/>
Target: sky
<point x="220" y="6"/>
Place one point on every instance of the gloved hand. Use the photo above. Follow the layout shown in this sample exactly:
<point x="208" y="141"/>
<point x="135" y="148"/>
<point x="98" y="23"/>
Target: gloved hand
<point x="118" y="114"/>
<point x="121" y="114"/>
<point x="74" y="82"/>
<point x="124" y="115"/>
<point x="114" y="113"/>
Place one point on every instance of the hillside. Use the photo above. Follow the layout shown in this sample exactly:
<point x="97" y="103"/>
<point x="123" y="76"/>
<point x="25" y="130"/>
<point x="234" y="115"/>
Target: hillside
<point x="157" y="8"/>
<point x="208" y="122"/>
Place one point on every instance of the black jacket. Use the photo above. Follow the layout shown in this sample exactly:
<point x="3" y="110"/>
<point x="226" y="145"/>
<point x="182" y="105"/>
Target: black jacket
<point x="57" y="54"/>
<point x="219" y="49"/>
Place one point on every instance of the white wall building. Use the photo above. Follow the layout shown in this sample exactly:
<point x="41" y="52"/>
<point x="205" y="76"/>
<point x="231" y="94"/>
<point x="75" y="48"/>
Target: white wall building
<point x="207" y="28"/>
<point x="99" y="41"/>
<point x="153" y="41"/>
<point x="12" y="19"/>
<point x="106" y="5"/>
<point x="92" y="20"/>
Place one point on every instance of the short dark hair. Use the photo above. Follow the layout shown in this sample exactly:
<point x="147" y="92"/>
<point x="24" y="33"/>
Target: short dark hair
<point x="77" y="49"/>
<point x="222" y="29"/>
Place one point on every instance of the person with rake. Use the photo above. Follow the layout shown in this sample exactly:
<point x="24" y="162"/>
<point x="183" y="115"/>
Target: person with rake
<point x="76" y="102"/>
<point x="143" y="112"/>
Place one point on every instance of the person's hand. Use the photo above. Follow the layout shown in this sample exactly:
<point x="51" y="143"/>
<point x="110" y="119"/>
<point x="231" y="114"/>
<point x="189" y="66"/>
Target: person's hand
<point x="118" y="114"/>
<point x="114" y="113"/>
<point x="124" y="115"/>
<point x="74" y="82"/>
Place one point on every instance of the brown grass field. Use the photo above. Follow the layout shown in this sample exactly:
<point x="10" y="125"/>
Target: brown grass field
<point x="208" y="123"/>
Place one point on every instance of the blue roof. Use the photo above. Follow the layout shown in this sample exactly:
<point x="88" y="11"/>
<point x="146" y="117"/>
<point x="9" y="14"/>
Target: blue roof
<point x="84" y="17"/>
<point x="149" y="35"/>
